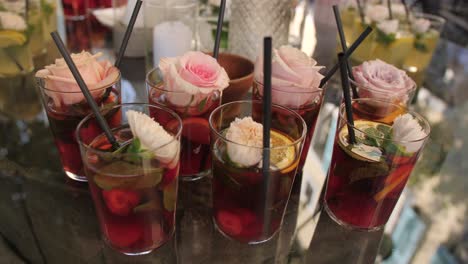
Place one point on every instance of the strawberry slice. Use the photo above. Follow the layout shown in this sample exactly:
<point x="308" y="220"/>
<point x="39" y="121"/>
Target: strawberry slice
<point x="121" y="202"/>
<point x="229" y="222"/>
<point x="124" y="233"/>
<point x="196" y="129"/>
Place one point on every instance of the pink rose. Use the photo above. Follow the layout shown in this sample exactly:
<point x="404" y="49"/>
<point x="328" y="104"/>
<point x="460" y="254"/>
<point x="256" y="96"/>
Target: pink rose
<point x="193" y="77"/>
<point x="62" y="87"/>
<point x="295" y="77"/>
<point x="381" y="80"/>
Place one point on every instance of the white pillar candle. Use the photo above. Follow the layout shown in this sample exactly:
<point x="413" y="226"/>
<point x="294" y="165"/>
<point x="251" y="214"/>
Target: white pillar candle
<point x="170" y="39"/>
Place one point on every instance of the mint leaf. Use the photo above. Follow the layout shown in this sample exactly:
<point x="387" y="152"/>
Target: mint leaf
<point x="385" y="39"/>
<point x="386" y="130"/>
<point x="420" y="46"/>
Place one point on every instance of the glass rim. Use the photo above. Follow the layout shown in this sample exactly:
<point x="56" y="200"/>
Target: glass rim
<point x="97" y="151"/>
<point x="117" y="79"/>
<point x="320" y="90"/>
<point x="185" y="5"/>
<point x="431" y="17"/>
<point x="426" y="126"/>
<point x="366" y="87"/>
<point x="292" y="112"/>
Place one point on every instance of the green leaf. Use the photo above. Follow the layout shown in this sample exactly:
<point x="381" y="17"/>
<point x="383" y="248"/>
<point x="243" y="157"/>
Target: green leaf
<point x="202" y="105"/>
<point x="385" y="39"/>
<point x="420" y="46"/>
<point x="47" y="9"/>
<point x="386" y="130"/>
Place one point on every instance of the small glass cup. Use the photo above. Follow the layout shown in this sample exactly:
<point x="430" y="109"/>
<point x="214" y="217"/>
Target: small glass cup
<point x="305" y="103"/>
<point x="403" y="98"/>
<point x="170" y="29"/>
<point x="194" y="111"/>
<point x="418" y="59"/>
<point x="135" y="195"/>
<point x="64" y="114"/>
<point x="365" y="180"/>
<point x="244" y="209"/>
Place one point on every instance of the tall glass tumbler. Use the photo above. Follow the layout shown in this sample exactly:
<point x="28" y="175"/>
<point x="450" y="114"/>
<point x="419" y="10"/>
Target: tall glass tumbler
<point x="134" y="194"/>
<point x="194" y="111"/>
<point x="424" y="46"/>
<point x="366" y="178"/>
<point x="65" y="109"/>
<point x="245" y="207"/>
<point x="170" y="29"/>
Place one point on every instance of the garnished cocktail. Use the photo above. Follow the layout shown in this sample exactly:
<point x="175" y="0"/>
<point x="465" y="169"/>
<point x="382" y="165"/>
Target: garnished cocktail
<point x="66" y="105"/>
<point x="295" y="84"/>
<point x="134" y="187"/>
<point x="366" y="178"/>
<point x="243" y="209"/>
<point x="191" y="86"/>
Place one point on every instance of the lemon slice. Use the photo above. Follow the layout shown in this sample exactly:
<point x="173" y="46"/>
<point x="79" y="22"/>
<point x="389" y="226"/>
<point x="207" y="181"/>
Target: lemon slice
<point x="10" y="38"/>
<point x="360" y="151"/>
<point x="282" y="158"/>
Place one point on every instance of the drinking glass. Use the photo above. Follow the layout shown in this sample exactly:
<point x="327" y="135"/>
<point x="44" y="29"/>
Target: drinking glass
<point x="366" y="179"/>
<point x="246" y="206"/>
<point x="305" y="103"/>
<point x="170" y="29"/>
<point x="420" y="55"/>
<point x="134" y="194"/>
<point x="64" y="117"/>
<point x="194" y="111"/>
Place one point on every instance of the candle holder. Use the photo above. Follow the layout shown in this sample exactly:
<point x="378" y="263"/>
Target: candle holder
<point x="170" y="29"/>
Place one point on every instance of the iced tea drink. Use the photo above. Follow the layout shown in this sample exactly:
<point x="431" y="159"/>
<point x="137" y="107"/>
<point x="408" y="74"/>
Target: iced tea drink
<point x="244" y="209"/>
<point x="366" y="178"/>
<point x="134" y="188"/>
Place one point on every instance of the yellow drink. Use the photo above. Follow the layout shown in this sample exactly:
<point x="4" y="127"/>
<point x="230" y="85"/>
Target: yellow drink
<point x="396" y="51"/>
<point x="365" y="50"/>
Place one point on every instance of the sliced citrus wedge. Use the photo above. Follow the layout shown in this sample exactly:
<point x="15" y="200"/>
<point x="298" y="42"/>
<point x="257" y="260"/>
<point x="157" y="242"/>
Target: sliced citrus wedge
<point x="10" y="38"/>
<point x="283" y="158"/>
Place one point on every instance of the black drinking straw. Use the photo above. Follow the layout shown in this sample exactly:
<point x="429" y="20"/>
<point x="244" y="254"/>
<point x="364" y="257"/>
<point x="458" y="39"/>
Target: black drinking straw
<point x="390" y="13"/>
<point x="219" y="28"/>
<point x="84" y="89"/>
<point x="267" y="51"/>
<point x="361" y="11"/>
<point x="348" y="53"/>
<point x="347" y="97"/>
<point x="128" y="33"/>
<point x="406" y="10"/>
<point x="344" y="47"/>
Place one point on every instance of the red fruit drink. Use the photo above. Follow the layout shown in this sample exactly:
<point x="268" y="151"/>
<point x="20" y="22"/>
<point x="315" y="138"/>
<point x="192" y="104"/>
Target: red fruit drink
<point x="63" y="121"/>
<point x="195" y="142"/>
<point x="247" y="206"/>
<point x="134" y="192"/>
<point x="366" y="179"/>
<point x="66" y="106"/>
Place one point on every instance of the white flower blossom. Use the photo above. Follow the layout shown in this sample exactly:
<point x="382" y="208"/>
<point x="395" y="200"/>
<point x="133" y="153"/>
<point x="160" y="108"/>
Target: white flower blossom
<point x="153" y="137"/>
<point x="247" y="136"/>
<point x="388" y="26"/>
<point x="421" y="25"/>
<point x="12" y="21"/>
<point x="409" y="132"/>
